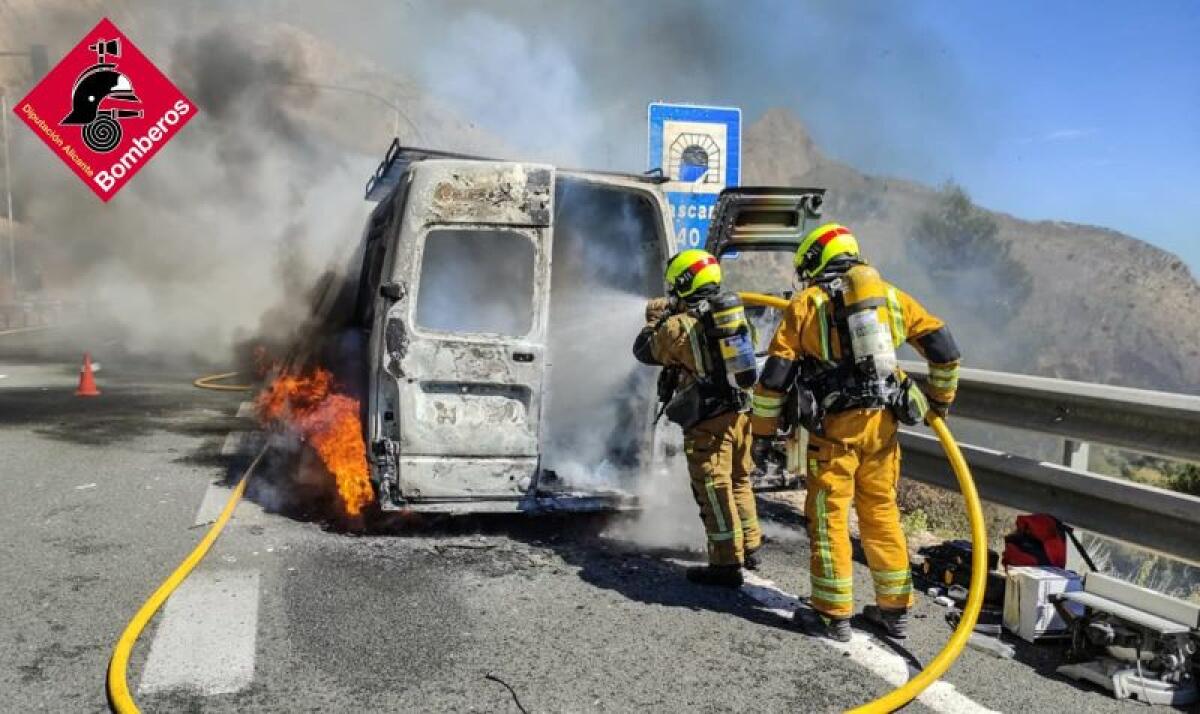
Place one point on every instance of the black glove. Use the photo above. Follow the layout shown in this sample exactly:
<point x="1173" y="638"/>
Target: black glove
<point x="942" y="409"/>
<point x="911" y="405"/>
<point x="761" y="451"/>
<point x="809" y="412"/>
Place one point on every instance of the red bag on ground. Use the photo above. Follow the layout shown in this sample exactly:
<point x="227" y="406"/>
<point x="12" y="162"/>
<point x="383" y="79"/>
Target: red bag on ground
<point x="1038" y="540"/>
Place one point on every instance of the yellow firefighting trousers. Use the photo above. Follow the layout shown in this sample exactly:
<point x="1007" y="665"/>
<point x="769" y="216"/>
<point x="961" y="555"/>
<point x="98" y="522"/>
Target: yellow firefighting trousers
<point x="856" y="460"/>
<point x="719" y="463"/>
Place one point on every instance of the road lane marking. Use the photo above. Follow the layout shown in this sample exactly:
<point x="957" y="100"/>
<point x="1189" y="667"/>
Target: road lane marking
<point x="206" y="640"/>
<point x="940" y="696"/>
<point x="20" y="330"/>
<point x="245" y="410"/>
<point x="211" y="505"/>
<point x="234" y="441"/>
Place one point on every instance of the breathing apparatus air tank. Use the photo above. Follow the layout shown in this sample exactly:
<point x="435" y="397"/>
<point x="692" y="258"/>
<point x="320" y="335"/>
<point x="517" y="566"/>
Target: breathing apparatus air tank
<point x="729" y="331"/>
<point x="868" y="319"/>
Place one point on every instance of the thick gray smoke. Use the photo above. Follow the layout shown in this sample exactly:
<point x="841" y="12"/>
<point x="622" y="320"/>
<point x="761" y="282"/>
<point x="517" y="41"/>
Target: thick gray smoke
<point x="234" y="217"/>
<point x="574" y="78"/>
<point x="556" y="82"/>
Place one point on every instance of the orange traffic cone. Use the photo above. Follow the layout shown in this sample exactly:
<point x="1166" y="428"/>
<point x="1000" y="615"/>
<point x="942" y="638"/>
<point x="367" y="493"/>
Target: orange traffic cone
<point x="87" y="381"/>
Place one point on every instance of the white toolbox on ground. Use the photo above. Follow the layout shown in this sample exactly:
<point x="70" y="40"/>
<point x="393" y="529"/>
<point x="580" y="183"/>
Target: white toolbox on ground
<point x="1028" y="612"/>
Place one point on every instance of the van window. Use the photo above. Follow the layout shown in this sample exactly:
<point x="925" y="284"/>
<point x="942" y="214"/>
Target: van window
<point x="477" y="281"/>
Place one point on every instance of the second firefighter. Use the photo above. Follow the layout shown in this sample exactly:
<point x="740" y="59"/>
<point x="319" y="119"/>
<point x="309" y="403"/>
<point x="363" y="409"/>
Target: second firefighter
<point x="834" y="354"/>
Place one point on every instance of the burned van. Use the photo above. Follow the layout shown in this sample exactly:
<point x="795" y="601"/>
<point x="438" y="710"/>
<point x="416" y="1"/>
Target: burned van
<point x="494" y="305"/>
<point x="487" y="323"/>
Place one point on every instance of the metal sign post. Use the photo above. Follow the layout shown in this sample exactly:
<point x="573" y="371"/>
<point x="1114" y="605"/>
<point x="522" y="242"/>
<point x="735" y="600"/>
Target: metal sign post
<point x="699" y="150"/>
<point x="12" y="252"/>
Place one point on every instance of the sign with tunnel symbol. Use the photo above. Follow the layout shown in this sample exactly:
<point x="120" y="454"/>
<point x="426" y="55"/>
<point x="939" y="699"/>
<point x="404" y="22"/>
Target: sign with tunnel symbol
<point x="695" y="158"/>
<point x="105" y="109"/>
<point x="699" y="151"/>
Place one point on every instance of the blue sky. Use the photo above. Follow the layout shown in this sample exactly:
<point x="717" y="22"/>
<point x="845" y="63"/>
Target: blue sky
<point x="1097" y="112"/>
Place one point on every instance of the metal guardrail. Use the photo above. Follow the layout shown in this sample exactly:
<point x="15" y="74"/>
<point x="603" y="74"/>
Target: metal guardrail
<point x="1136" y="419"/>
<point x="1164" y="521"/>
<point x="18" y="315"/>
<point x="1157" y="519"/>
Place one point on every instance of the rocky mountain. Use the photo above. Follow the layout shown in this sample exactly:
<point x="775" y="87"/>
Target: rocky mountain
<point x="1062" y="299"/>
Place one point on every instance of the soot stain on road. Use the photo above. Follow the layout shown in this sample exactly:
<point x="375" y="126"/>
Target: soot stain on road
<point x="120" y="414"/>
<point x="49" y="655"/>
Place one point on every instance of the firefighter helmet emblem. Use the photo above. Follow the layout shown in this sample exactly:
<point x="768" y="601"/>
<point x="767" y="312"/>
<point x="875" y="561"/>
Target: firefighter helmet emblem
<point x="94" y="87"/>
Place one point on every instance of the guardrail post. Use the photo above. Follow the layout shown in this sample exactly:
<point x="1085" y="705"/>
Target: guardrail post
<point x="1075" y="454"/>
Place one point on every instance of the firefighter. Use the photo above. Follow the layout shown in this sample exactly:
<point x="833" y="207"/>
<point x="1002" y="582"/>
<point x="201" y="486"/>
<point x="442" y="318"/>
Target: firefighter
<point x="832" y="363"/>
<point x="701" y="338"/>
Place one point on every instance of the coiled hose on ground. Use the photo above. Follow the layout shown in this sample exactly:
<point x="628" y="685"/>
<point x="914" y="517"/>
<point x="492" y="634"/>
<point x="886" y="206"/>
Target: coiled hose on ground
<point x="209" y="382"/>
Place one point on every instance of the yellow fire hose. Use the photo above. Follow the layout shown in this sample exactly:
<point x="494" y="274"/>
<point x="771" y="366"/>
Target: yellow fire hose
<point x="937" y="667"/>
<point x="208" y="383"/>
<point x="118" y="686"/>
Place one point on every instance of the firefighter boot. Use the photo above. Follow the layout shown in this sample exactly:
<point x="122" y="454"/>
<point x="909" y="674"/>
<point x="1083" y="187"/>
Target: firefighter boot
<point x="751" y="561"/>
<point x="894" y="622"/>
<point x="816" y="624"/>
<point x="725" y="576"/>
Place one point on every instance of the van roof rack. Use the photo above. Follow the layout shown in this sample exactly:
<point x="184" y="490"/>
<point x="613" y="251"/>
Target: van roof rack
<point x="398" y="158"/>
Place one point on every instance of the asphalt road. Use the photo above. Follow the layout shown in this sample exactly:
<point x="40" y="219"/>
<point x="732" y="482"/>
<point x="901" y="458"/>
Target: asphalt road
<point x="100" y="499"/>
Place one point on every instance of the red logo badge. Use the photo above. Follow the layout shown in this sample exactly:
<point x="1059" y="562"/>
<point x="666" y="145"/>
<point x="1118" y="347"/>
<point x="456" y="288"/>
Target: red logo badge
<point x="105" y="110"/>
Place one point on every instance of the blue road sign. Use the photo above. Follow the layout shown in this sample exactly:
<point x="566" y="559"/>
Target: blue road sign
<point x="699" y="150"/>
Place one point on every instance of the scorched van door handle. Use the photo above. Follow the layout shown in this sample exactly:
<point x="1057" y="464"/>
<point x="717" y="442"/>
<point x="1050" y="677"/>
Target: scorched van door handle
<point x="522" y="356"/>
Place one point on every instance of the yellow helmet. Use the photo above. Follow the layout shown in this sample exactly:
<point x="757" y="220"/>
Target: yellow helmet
<point x="821" y="245"/>
<point x="691" y="270"/>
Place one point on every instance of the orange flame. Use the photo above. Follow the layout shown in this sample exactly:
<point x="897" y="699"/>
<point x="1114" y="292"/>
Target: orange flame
<point x="330" y="423"/>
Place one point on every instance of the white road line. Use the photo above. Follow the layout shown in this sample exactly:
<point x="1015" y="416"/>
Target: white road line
<point x="214" y="500"/>
<point x="19" y="330"/>
<point x="206" y="640"/>
<point x="940" y="696"/>
<point x="245" y="410"/>
<point x="234" y="440"/>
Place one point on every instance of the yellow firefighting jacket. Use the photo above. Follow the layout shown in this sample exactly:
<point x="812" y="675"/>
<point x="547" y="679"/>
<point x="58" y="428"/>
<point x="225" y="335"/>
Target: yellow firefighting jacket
<point x="807" y="331"/>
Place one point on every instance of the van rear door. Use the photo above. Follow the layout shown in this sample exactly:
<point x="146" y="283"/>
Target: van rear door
<point x="762" y="218"/>
<point x="459" y="344"/>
